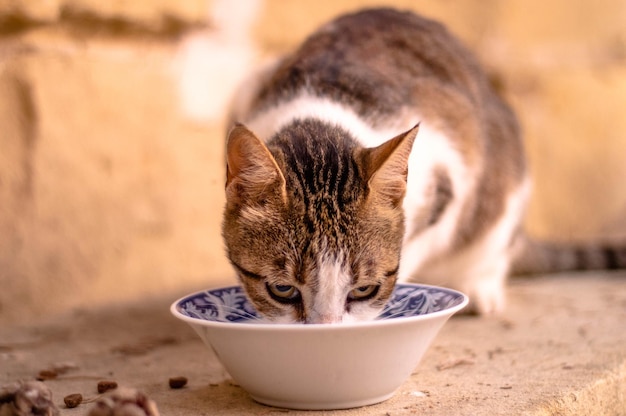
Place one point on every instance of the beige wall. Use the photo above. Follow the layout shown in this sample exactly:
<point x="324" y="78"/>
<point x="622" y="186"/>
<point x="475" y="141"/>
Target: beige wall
<point x="111" y="130"/>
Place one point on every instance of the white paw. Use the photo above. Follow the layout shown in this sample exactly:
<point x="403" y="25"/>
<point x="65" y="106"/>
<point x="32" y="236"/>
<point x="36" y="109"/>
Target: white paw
<point x="486" y="297"/>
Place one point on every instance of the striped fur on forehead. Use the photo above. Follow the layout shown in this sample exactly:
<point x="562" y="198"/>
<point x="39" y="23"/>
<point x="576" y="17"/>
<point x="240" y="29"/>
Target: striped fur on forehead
<point x="323" y="180"/>
<point x="320" y="155"/>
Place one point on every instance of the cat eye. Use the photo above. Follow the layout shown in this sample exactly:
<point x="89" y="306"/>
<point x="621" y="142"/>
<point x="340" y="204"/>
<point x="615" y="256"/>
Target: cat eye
<point x="283" y="293"/>
<point x="363" y="292"/>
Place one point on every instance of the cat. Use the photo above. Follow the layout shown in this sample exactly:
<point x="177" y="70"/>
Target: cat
<point x="377" y="152"/>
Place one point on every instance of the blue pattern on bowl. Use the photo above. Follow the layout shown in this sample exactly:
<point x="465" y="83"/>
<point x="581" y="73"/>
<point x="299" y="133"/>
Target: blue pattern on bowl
<point x="230" y="304"/>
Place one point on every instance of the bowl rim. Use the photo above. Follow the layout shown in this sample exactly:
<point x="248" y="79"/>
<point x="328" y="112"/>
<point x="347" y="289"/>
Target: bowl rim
<point x="272" y="326"/>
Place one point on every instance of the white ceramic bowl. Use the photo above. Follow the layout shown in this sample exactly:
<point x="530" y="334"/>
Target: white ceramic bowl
<point x="320" y="366"/>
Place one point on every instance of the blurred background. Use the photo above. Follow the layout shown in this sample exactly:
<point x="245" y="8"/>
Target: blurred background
<point x="111" y="130"/>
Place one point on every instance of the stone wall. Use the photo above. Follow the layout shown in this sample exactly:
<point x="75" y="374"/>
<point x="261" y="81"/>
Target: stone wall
<point x="111" y="134"/>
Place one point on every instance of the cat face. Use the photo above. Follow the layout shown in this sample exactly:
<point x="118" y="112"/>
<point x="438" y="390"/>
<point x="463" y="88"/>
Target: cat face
<point x="314" y="227"/>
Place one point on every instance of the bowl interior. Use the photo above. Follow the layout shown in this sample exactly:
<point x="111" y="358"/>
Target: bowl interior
<point x="230" y="304"/>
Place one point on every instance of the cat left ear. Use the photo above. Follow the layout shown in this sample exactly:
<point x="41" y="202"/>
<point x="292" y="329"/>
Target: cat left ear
<point x="387" y="167"/>
<point x="252" y="173"/>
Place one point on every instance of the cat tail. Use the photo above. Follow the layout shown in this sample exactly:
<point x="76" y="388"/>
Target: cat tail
<point x="540" y="257"/>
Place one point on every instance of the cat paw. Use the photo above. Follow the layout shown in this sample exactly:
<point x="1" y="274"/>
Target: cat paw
<point x="485" y="299"/>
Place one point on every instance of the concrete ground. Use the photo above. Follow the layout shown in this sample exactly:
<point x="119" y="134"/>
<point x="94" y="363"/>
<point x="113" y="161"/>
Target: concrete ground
<point x="559" y="349"/>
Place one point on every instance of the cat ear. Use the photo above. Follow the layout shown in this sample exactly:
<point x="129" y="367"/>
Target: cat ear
<point x="387" y="167"/>
<point x="251" y="171"/>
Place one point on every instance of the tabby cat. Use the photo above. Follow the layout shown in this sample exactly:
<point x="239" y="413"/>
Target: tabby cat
<point x="377" y="152"/>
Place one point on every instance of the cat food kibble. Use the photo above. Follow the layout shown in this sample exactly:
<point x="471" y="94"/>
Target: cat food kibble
<point x="47" y="375"/>
<point x="106" y="385"/>
<point x="73" y="400"/>
<point x="178" y="382"/>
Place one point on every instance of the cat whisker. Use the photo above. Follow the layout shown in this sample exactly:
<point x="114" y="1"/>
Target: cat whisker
<point x="396" y="300"/>
<point x="240" y="312"/>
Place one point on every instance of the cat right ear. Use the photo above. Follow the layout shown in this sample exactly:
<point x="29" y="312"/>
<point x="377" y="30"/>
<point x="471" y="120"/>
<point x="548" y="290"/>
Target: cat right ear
<point x="252" y="174"/>
<point x="387" y="167"/>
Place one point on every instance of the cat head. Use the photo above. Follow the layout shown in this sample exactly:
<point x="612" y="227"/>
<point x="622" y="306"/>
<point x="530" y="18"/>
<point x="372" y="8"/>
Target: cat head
<point x="313" y="223"/>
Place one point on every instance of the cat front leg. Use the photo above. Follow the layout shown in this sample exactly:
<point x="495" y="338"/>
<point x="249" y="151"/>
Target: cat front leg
<point x="478" y="269"/>
<point x="479" y="275"/>
<point x="486" y="286"/>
